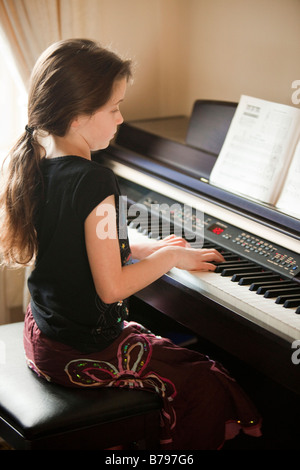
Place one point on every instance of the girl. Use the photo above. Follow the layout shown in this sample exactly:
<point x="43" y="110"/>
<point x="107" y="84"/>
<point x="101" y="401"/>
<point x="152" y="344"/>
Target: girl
<point x="54" y="200"/>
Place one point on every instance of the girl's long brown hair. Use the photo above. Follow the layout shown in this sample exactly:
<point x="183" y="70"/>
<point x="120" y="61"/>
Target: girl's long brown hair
<point x="71" y="78"/>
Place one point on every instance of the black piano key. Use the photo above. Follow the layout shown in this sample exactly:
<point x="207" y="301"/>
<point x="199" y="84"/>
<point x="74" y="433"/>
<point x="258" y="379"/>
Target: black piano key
<point x="292" y="303"/>
<point x="238" y="262"/>
<point x="154" y="234"/>
<point x="233" y="265"/>
<point x="281" y="287"/>
<point x="264" y="286"/>
<point x="244" y="275"/>
<point x="281" y="291"/>
<point x="209" y="245"/>
<point x="230" y="257"/>
<point x="238" y="272"/>
<point x="228" y="254"/>
<point x="258" y="284"/>
<point x="130" y="218"/>
<point x="133" y="224"/>
<point x="282" y="298"/>
<point x="139" y="222"/>
<point x="241" y="270"/>
<point x="258" y="280"/>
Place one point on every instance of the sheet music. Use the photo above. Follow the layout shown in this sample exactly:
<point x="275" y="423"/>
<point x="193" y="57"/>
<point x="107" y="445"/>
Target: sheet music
<point x="257" y="150"/>
<point x="289" y="200"/>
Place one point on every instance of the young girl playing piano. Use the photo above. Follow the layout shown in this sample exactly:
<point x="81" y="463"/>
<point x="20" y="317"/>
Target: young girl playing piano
<point x="54" y="202"/>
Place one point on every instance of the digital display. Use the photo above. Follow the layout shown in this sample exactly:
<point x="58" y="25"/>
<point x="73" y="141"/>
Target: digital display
<point x="217" y="228"/>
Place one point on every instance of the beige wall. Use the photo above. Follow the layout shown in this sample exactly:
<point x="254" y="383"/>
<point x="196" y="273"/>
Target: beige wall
<point x="191" y="49"/>
<point x="243" y="47"/>
<point x="153" y="34"/>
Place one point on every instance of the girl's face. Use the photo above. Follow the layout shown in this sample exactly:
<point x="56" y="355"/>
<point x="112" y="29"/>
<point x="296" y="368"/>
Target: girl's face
<point x="97" y="130"/>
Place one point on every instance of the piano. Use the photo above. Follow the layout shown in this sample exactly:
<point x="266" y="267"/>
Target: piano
<point x="250" y="306"/>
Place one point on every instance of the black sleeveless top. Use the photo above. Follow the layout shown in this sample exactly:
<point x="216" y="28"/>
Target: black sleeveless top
<point x="64" y="301"/>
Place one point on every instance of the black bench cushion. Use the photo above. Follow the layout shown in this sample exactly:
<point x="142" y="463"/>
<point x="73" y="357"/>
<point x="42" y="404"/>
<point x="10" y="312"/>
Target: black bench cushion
<point x="35" y="407"/>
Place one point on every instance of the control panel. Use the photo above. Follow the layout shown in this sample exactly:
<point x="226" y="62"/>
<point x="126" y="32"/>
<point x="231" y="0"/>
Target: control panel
<point x="266" y="254"/>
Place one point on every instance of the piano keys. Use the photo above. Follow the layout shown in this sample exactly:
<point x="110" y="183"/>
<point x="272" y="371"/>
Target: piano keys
<point x="229" y="285"/>
<point x="250" y="305"/>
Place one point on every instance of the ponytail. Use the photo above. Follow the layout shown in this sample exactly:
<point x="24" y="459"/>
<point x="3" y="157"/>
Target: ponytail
<point x="19" y="198"/>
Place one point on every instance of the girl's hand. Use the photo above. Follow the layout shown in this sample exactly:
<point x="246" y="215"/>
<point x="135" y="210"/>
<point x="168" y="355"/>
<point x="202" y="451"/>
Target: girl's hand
<point x="173" y="240"/>
<point x="149" y="246"/>
<point x="199" y="260"/>
<point x="188" y="258"/>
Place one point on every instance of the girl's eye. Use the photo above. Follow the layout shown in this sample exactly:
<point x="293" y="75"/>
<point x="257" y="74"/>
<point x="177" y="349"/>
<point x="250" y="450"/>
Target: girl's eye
<point x="115" y="110"/>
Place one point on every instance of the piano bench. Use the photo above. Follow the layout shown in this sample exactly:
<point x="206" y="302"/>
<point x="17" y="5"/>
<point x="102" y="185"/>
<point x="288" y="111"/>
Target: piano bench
<point x="36" y="414"/>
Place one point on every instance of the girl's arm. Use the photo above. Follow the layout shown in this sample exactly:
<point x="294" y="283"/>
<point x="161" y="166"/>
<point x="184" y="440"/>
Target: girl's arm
<point x="114" y="282"/>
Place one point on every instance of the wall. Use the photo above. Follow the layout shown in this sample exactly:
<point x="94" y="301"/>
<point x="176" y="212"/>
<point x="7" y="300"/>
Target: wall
<point x="153" y="34"/>
<point x="191" y="49"/>
<point x="243" y="47"/>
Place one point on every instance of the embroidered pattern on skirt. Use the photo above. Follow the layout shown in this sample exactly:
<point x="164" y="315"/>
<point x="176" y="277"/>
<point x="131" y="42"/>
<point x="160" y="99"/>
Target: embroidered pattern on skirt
<point x="133" y="356"/>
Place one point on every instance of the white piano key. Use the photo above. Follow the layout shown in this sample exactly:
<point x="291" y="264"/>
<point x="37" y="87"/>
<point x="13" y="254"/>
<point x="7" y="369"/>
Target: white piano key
<point x="264" y="312"/>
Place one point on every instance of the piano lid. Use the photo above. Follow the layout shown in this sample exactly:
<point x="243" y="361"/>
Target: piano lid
<point x="191" y="145"/>
<point x="183" y="152"/>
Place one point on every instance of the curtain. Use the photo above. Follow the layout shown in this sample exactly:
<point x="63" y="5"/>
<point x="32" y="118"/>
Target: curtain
<point x="30" y="26"/>
<point x="11" y="292"/>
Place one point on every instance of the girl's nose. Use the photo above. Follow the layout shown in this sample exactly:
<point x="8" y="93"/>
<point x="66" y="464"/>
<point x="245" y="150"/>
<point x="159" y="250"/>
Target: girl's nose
<point x="120" y="118"/>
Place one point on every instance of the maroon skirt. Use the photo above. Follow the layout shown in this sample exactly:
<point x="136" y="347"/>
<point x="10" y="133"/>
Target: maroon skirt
<point x="202" y="405"/>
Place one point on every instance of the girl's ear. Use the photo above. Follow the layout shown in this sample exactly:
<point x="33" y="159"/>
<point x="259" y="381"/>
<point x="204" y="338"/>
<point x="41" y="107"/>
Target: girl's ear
<point x="79" y="121"/>
<point x="75" y="123"/>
